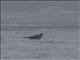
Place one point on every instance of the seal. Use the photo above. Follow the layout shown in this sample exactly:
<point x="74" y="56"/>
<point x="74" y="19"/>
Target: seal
<point x="38" y="36"/>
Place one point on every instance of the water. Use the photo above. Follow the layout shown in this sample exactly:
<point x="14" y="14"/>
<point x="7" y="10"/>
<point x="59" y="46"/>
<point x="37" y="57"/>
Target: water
<point x="56" y="43"/>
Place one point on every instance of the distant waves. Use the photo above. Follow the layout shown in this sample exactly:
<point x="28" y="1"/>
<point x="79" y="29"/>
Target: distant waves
<point x="32" y="27"/>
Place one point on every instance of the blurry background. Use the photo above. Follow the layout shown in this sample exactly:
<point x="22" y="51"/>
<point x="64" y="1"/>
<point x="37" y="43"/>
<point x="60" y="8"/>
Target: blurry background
<point x="57" y="20"/>
<point x="46" y="13"/>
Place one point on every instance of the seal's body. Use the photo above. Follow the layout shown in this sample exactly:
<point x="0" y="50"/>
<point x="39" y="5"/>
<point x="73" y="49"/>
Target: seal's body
<point x="35" y="36"/>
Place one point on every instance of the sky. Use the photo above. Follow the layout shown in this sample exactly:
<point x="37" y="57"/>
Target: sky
<point x="52" y="13"/>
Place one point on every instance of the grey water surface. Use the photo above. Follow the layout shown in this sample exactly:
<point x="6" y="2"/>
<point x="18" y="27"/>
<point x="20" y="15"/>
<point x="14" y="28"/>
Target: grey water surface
<point x="57" y="20"/>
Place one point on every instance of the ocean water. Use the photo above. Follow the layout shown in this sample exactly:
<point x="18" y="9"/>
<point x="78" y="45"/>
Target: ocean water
<point x="55" y="44"/>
